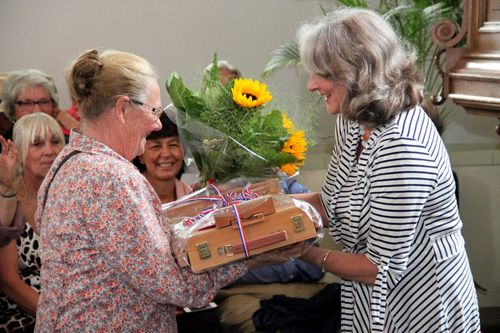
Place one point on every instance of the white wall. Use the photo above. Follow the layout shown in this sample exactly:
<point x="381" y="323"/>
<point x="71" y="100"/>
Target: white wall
<point x="173" y="35"/>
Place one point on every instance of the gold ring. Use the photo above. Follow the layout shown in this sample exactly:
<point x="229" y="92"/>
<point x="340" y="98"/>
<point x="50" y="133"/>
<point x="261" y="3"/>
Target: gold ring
<point x="11" y="155"/>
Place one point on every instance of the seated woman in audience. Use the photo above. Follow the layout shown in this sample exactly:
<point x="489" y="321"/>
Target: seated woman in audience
<point x="37" y="141"/>
<point x="28" y="91"/>
<point x="104" y="219"/>
<point x="163" y="162"/>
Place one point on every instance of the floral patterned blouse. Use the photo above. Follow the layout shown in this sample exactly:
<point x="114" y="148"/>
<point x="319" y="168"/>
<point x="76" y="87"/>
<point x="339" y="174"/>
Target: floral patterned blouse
<point x="107" y="263"/>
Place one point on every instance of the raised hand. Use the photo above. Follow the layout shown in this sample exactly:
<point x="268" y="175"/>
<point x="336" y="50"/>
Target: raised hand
<point x="9" y="166"/>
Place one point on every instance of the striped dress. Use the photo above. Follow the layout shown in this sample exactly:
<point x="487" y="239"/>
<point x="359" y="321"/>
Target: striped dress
<point x="397" y="205"/>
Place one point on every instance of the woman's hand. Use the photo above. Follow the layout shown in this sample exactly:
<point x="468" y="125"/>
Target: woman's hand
<point x="9" y="167"/>
<point x="275" y="257"/>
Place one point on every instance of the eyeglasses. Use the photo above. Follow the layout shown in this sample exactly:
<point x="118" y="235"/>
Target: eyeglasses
<point x="156" y="111"/>
<point x="28" y="104"/>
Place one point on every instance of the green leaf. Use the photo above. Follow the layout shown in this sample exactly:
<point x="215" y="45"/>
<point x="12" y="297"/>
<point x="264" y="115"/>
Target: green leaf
<point x="183" y="98"/>
<point x="285" y="55"/>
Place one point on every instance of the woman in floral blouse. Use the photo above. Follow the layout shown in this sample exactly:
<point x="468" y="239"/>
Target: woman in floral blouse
<point x="107" y="262"/>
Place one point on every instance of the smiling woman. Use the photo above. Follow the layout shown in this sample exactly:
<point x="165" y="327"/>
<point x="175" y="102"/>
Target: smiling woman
<point x="163" y="162"/>
<point x="389" y="193"/>
<point x="104" y="218"/>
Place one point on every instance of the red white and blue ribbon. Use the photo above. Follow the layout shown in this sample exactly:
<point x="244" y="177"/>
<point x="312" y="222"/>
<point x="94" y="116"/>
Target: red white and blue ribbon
<point x="230" y="199"/>
<point x="240" y="229"/>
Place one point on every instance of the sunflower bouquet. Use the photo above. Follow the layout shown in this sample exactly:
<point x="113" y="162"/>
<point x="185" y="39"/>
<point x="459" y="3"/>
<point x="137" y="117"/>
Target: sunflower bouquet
<point x="231" y="132"/>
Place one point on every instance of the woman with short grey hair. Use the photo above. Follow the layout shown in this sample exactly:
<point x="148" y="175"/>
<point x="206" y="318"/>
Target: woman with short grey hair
<point x="31" y="90"/>
<point x="106" y="247"/>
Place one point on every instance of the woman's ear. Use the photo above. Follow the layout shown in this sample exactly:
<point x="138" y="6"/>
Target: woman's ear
<point x="121" y="107"/>
<point x="141" y="159"/>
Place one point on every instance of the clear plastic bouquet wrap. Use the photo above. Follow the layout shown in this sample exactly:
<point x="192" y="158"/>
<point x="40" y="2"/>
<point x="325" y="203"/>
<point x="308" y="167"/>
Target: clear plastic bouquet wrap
<point x="231" y="132"/>
<point x="226" y="223"/>
<point x="241" y="147"/>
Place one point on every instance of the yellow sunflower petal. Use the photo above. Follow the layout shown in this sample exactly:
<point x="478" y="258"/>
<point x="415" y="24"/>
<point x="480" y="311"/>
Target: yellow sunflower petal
<point x="289" y="169"/>
<point x="288" y="125"/>
<point x="250" y="94"/>
<point x="296" y="145"/>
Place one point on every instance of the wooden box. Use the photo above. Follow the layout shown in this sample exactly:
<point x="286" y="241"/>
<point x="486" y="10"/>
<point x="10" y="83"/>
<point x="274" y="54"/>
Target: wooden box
<point x="177" y="210"/>
<point x="266" y="226"/>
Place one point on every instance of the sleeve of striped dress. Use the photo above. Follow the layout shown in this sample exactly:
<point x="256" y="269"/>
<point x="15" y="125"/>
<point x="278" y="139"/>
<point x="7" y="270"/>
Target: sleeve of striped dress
<point x="401" y="180"/>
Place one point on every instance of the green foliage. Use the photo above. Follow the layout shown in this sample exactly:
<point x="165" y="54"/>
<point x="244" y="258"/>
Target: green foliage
<point x="285" y="55"/>
<point x="412" y="19"/>
<point x="226" y="139"/>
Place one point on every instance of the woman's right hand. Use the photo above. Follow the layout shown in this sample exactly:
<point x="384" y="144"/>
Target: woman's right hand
<point x="275" y="257"/>
<point x="9" y="166"/>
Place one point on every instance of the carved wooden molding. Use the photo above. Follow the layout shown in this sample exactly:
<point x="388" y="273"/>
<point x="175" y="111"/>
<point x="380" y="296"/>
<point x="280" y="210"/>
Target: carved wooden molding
<point x="471" y="75"/>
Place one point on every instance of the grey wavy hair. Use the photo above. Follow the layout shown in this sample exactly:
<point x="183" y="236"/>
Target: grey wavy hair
<point x="358" y="49"/>
<point x="97" y="80"/>
<point x="17" y="81"/>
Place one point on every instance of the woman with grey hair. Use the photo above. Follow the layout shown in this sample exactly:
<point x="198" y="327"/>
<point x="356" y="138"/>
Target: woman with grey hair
<point x="389" y="195"/>
<point x="107" y="261"/>
<point x="227" y="71"/>
<point x="31" y="90"/>
<point x="23" y="165"/>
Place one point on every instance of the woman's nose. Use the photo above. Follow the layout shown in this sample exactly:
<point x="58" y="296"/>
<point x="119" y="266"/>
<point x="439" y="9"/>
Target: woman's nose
<point x="158" y="125"/>
<point x="165" y="151"/>
<point x="51" y="149"/>
<point x="312" y="85"/>
<point x="36" y="108"/>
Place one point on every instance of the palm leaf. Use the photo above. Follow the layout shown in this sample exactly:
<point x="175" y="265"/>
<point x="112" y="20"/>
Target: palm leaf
<point x="285" y="55"/>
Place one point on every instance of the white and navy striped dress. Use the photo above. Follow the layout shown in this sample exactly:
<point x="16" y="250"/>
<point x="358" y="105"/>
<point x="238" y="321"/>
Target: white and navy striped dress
<point x="397" y="205"/>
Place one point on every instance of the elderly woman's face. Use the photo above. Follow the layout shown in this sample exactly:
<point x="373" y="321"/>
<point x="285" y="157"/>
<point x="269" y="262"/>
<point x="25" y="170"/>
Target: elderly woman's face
<point x="142" y="122"/>
<point x="41" y="154"/>
<point x="35" y="94"/>
<point x="225" y="75"/>
<point x="333" y="93"/>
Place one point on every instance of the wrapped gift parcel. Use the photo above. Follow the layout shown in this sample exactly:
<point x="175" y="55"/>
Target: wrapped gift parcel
<point x="242" y="229"/>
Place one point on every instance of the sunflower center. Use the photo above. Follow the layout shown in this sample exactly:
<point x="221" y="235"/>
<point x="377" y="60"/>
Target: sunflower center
<point x="250" y="96"/>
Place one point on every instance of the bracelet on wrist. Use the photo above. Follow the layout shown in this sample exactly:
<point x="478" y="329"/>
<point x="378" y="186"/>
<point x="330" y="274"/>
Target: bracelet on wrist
<point x="8" y="196"/>
<point x="324" y="261"/>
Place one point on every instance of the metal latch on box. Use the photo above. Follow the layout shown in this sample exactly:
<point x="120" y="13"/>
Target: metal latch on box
<point x="227" y="250"/>
<point x="298" y="223"/>
<point x="203" y="250"/>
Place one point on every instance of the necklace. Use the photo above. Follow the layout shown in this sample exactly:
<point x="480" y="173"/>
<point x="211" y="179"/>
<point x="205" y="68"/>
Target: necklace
<point x="362" y="136"/>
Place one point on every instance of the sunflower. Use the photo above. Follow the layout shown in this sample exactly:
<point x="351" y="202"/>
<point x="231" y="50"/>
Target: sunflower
<point x="288" y="125"/>
<point x="250" y="94"/>
<point x="295" y="146"/>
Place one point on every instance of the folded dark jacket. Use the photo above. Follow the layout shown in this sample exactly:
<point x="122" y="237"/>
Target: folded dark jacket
<point x="320" y="313"/>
